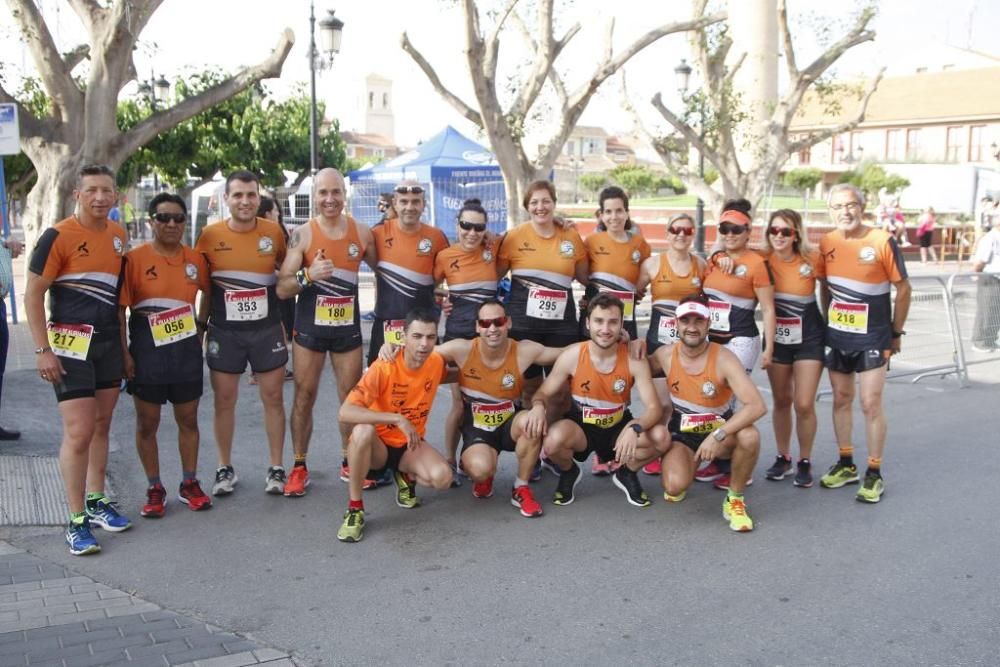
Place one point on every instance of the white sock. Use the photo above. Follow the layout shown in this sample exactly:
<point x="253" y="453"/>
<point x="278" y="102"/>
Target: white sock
<point x="520" y="482"/>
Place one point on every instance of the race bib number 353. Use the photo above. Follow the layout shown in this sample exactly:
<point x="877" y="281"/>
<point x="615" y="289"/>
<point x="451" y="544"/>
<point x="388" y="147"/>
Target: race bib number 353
<point x="246" y="305"/>
<point x="172" y="325"/>
<point x="70" y="340"/>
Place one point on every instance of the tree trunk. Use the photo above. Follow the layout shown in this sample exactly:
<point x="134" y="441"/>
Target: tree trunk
<point x="51" y="199"/>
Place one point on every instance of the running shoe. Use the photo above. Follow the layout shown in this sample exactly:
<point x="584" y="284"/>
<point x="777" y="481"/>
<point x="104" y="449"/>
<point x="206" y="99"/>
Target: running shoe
<point x="456" y="476"/>
<point x="782" y="466"/>
<point x="871" y="491"/>
<point x="709" y="473"/>
<point x="225" y="480"/>
<point x="536" y="472"/>
<point x="406" y="491"/>
<point x="274" y="482"/>
<point x="384" y="480"/>
<point x="549" y="465"/>
<point x="483" y="489"/>
<point x="523" y="499"/>
<point x="803" y="474"/>
<point x="839" y="475"/>
<point x="722" y="482"/>
<point x="80" y="540"/>
<point x="368" y="484"/>
<point x="567" y="485"/>
<point x="353" y="528"/>
<point x="104" y="513"/>
<point x="599" y="469"/>
<point x="654" y="467"/>
<point x="191" y="495"/>
<point x="675" y="499"/>
<point x="297" y="482"/>
<point x="734" y="510"/>
<point x="628" y="481"/>
<point x="156" y="502"/>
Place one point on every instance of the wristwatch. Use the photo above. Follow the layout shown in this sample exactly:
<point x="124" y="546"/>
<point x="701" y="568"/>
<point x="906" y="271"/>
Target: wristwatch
<point x="302" y="278"/>
<point x="39" y="350"/>
<point x="637" y="427"/>
<point x="898" y="334"/>
<point x="719" y="434"/>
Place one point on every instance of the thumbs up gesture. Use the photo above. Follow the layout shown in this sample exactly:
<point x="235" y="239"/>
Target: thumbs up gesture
<point x="321" y="268"/>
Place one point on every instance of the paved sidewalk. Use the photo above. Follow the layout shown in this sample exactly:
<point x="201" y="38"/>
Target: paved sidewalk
<point x="51" y="616"/>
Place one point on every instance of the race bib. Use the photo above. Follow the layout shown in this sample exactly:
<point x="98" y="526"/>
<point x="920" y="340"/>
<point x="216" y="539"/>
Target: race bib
<point x="720" y="315"/>
<point x="491" y="416"/>
<point x="603" y="417"/>
<point x="848" y="317"/>
<point x="172" y="325"/>
<point x="70" y="340"/>
<point x="666" y="333"/>
<point x="334" y="311"/>
<point x="788" y="330"/>
<point x="700" y="423"/>
<point x="628" y="299"/>
<point x="392" y="331"/>
<point x="245" y="305"/>
<point x="546" y="304"/>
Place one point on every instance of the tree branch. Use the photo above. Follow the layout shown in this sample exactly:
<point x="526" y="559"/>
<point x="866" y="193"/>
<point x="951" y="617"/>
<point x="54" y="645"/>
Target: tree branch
<point x="813" y="139"/>
<point x="857" y="35"/>
<point x="63" y="91"/>
<point x="435" y="81"/>
<point x="76" y="56"/>
<point x="149" y="128"/>
<point x="786" y="40"/>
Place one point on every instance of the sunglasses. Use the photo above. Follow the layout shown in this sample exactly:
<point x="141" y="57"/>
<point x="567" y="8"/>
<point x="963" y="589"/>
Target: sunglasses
<point x="472" y="226"/>
<point x="681" y="231"/>
<point x="496" y="321"/>
<point x="409" y="190"/>
<point x="164" y="218"/>
<point x="784" y="232"/>
<point x="726" y="229"/>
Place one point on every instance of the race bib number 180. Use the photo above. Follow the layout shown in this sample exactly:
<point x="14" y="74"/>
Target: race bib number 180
<point x="334" y="311"/>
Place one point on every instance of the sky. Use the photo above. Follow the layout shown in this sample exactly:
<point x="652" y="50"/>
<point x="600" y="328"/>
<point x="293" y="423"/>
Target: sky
<point x="185" y="35"/>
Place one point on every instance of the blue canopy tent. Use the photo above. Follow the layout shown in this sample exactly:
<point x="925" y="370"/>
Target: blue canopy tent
<point x="451" y="167"/>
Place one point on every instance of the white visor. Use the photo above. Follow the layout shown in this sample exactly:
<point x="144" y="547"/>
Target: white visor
<point x="693" y="308"/>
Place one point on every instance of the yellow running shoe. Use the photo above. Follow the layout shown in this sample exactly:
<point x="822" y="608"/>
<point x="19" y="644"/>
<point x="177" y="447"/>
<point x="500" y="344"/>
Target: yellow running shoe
<point x="871" y="491"/>
<point x="353" y="528"/>
<point x="734" y="510"/>
<point x="675" y="499"/>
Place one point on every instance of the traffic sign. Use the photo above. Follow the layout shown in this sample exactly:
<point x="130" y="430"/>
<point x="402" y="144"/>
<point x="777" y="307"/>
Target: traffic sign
<point x="10" y="133"/>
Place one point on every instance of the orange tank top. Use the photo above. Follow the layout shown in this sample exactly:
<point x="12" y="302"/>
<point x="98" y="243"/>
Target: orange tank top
<point x="491" y="395"/>
<point x="601" y="399"/>
<point x="704" y="392"/>
<point x="345" y="253"/>
<point x="668" y="288"/>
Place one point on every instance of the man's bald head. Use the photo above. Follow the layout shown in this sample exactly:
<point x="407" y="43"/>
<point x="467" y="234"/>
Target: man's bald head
<point x="329" y="193"/>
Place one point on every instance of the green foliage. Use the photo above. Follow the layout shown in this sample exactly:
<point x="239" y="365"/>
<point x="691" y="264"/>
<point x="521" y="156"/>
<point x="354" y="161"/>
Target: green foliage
<point x="635" y="180"/>
<point x="804" y="178"/>
<point x="872" y="178"/>
<point x="248" y="131"/>
<point x="711" y="175"/>
<point x="592" y="183"/>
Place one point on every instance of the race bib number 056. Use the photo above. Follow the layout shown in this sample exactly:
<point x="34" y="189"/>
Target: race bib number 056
<point x="172" y="325"/>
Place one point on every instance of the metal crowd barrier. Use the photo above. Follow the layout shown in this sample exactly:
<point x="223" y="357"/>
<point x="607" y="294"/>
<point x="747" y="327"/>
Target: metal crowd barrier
<point x="975" y="301"/>
<point x="932" y="346"/>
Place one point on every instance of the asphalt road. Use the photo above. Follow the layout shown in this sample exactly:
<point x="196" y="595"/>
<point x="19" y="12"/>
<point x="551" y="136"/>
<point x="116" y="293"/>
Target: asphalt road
<point x="822" y="580"/>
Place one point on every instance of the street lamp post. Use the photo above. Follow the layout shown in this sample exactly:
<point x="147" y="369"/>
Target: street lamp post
<point x="154" y="91"/>
<point x="331" y="30"/>
<point x="683" y="74"/>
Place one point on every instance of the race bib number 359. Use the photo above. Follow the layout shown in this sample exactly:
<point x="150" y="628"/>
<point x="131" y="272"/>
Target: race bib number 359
<point x="788" y="330"/>
<point x="246" y="305"/>
<point x="70" y="340"/>
<point x="172" y="325"/>
<point x="546" y="304"/>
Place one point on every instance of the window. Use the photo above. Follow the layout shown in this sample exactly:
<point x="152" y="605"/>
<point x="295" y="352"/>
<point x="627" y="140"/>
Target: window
<point x="955" y="146"/>
<point x="371" y="100"/>
<point x="894" y="145"/>
<point x="913" y="144"/>
<point x="976" y="143"/>
<point x="385" y="100"/>
<point x="838" y="149"/>
<point x="805" y="154"/>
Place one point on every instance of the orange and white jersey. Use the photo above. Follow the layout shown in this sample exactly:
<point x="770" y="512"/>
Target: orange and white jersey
<point x="85" y="267"/>
<point x="405" y="268"/>
<point x="601" y="399"/>
<point x="860" y="273"/>
<point x="242" y="266"/>
<point x="732" y="296"/>
<point x="471" y="276"/>
<point x="698" y="397"/>
<point x="339" y="291"/>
